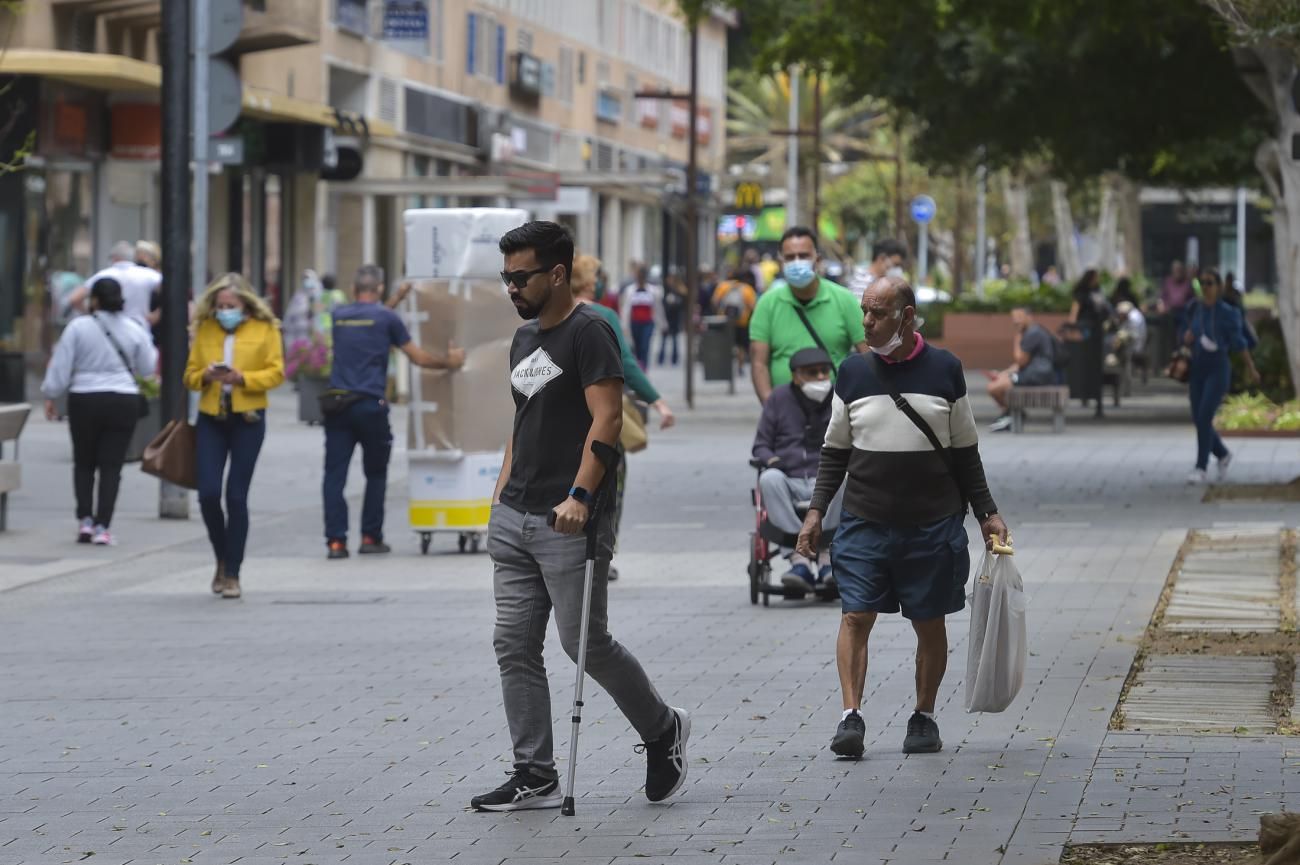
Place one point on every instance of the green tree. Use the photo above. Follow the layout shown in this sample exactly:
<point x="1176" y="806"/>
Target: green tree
<point x="1267" y="38"/>
<point x="17" y="132"/>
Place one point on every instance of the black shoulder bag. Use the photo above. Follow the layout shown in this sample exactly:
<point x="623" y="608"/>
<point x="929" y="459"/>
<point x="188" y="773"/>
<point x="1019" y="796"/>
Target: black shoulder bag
<point x="803" y="316"/>
<point x="906" y="408"/>
<point x="143" y="407"/>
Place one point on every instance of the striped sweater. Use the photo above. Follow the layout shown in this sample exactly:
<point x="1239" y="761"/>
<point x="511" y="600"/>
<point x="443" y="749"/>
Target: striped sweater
<point x="896" y="477"/>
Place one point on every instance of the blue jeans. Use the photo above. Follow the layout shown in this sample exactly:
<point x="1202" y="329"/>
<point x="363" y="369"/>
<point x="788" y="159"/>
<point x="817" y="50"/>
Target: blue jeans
<point x="643" y="335"/>
<point x="363" y="423"/>
<point x="219" y="440"/>
<point x="1207" y="387"/>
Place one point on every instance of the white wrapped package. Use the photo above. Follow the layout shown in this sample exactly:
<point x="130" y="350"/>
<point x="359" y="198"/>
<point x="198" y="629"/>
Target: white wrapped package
<point x="457" y="242"/>
<point x="996" y="654"/>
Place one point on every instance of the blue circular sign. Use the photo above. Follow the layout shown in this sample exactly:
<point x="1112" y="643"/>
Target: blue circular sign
<point x="923" y="209"/>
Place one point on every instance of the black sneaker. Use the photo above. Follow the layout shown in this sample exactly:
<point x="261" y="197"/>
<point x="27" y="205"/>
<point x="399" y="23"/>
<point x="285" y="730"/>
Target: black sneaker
<point x="665" y="758"/>
<point x="337" y="550"/>
<point x="370" y="546"/>
<point x="922" y="735"/>
<point x="524" y="791"/>
<point x="849" y="735"/>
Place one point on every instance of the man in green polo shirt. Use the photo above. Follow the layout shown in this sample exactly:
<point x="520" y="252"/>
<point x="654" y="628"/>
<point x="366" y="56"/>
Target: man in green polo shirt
<point x="777" y="331"/>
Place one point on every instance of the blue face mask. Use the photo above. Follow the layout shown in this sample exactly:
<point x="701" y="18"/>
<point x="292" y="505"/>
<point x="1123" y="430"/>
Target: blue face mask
<point x="799" y="273"/>
<point x="230" y="318"/>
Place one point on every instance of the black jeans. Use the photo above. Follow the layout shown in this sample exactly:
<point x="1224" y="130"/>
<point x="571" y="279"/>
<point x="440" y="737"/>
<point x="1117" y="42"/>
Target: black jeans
<point x="101" y="425"/>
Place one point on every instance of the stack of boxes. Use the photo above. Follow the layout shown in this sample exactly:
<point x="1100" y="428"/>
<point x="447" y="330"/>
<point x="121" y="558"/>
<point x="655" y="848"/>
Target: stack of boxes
<point x="459" y="421"/>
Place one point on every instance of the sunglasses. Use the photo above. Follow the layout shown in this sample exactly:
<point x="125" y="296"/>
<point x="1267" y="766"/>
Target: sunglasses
<point x="519" y="278"/>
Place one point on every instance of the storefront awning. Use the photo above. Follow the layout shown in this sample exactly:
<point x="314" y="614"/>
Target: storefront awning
<point x="96" y="71"/>
<point x="125" y="74"/>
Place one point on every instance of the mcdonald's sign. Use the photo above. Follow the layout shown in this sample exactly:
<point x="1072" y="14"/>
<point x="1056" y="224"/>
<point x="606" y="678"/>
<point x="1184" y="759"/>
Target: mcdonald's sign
<point x="749" y="197"/>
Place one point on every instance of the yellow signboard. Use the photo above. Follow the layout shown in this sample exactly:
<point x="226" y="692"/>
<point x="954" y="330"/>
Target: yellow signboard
<point x="749" y="197"/>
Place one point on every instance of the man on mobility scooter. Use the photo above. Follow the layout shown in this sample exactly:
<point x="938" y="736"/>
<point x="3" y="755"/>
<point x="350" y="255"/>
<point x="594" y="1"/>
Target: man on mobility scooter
<point x="787" y="447"/>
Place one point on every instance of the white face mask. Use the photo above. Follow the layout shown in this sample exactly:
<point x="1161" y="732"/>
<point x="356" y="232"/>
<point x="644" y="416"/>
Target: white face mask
<point x="817" y="391"/>
<point x="894" y="341"/>
<point x="895" y="271"/>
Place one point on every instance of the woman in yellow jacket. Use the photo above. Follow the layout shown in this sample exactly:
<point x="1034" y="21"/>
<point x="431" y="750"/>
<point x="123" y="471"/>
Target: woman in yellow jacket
<point x="235" y="358"/>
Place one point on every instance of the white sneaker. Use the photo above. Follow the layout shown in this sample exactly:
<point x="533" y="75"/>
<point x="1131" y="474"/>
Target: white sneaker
<point x="1002" y="424"/>
<point x="85" y="531"/>
<point x="1223" y="466"/>
<point x="1197" y="478"/>
<point x="103" y="537"/>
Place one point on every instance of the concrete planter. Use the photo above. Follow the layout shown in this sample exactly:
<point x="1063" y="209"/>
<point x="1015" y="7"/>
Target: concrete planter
<point x="309" y="392"/>
<point x="982" y="340"/>
<point x="145" y="429"/>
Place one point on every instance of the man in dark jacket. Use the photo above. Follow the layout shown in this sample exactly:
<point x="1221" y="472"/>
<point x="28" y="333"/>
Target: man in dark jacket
<point x="789" y="441"/>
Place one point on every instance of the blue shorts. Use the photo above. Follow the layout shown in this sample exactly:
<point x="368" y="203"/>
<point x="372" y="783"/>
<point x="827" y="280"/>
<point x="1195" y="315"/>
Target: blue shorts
<point x="921" y="570"/>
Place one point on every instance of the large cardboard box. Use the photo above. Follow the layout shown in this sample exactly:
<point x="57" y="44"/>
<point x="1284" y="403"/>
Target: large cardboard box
<point x="457" y="242"/>
<point x="470" y="409"/>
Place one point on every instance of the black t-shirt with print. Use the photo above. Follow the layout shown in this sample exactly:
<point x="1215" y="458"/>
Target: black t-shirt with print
<point x="549" y="371"/>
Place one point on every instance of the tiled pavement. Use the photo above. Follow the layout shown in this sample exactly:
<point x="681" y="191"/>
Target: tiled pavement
<point x="346" y="714"/>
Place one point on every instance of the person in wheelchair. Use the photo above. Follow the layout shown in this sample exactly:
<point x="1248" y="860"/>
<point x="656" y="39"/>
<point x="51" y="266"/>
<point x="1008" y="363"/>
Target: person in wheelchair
<point x="788" y="442"/>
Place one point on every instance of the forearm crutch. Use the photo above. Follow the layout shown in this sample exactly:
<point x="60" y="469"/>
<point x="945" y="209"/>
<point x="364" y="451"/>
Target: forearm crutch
<point x="609" y="458"/>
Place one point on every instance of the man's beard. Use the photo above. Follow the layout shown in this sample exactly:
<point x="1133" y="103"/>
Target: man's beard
<point x="528" y="310"/>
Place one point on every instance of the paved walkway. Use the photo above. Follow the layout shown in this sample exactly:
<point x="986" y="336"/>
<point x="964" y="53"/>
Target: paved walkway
<point x="346" y="711"/>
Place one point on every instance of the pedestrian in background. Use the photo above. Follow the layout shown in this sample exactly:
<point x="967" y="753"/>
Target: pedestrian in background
<point x="137" y="283"/>
<point x="887" y="257"/>
<point x="356" y="408"/>
<point x="736" y="298"/>
<point x="1089" y="310"/>
<point x="235" y="358"/>
<point x="642" y="312"/>
<point x="584" y="283"/>
<point x="97" y="362"/>
<point x="902" y="542"/>
<point x="801" y="311"/>
<point x="567" y="383"/>
<point x="1212" y="328"/>
<point x="674" y="304"/>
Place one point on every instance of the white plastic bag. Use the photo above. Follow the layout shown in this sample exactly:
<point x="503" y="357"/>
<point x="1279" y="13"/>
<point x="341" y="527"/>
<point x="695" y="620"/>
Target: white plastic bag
<point x="995" y="659"/>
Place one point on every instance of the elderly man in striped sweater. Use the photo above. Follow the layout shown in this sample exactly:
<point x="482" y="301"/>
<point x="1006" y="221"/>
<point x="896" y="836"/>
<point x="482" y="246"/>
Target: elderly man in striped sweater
<point x="902" y="430"/>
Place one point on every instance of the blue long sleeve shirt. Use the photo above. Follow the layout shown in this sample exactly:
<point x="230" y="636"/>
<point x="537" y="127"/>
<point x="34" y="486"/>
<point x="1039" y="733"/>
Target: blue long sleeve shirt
<point x="1222" y="323"/>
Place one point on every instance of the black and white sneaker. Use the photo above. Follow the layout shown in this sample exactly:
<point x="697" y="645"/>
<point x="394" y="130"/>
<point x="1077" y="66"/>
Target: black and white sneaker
<point x="665" y="758"/>
<point x="849" y="735"/>
<point x="524" y="791"/>
<point x="922" y="735"/>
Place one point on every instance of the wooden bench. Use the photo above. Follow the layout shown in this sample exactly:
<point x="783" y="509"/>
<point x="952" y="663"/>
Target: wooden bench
<point x="1051" y="396"/>
<point x="12" y="419"/>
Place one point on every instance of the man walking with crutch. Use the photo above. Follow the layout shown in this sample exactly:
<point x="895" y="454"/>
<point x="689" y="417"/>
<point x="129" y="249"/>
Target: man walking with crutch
<point x="567" y="382"/>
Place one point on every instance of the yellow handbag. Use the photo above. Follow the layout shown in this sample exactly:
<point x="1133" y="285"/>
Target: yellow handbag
<point x="634" y="437"/>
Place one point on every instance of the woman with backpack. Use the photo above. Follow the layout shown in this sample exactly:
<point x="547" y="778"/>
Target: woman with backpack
<point x="97" y="363"/>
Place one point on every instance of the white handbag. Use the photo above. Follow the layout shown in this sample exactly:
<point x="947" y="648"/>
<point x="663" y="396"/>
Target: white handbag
<point x="998" y="647"/>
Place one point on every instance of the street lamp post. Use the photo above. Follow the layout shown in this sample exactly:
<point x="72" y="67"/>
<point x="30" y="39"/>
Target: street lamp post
<point x="692" y="205"/>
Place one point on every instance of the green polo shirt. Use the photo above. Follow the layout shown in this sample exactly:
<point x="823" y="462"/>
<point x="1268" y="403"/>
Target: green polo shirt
<point x="834" y="314"/>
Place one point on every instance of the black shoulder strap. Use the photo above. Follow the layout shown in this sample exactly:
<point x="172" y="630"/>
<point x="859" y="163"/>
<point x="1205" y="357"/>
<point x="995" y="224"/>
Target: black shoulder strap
<point x="906" y="408"/>
<point x="803" y="316"/>
<point x="116" y="345"/>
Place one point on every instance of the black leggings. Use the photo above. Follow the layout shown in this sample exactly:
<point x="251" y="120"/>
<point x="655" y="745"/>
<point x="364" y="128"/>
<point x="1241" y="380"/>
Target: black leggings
<point x="102" y="425"/>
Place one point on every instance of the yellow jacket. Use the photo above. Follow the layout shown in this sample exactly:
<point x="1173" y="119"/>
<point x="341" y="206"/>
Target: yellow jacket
<point x="259" y="355"/>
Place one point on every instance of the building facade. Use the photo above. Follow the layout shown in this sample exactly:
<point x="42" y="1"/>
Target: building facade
<point x="349" y="112"/>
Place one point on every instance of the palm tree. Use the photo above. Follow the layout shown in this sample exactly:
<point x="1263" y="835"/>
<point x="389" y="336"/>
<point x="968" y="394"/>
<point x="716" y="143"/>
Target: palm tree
<point x="757" y="105"/>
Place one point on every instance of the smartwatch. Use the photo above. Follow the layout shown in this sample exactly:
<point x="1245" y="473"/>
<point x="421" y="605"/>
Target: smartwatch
<point x="581" y="495"/>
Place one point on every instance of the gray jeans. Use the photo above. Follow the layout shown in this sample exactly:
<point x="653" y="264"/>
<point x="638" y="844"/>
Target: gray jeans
<point x="780" y="492"/>
<point x="536" y="568"/>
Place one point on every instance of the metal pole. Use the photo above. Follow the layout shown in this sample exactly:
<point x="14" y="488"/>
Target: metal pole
<point x="922" y="251"/>
<point x="792" y="154"/>
<point x="981" y="240"/>
<point x="1242" y="285"/>
<point x="202" y="20"/>
<point x="172" y="501"/>
<point x="692" y="219"/>
<point x="817" y="150"/>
